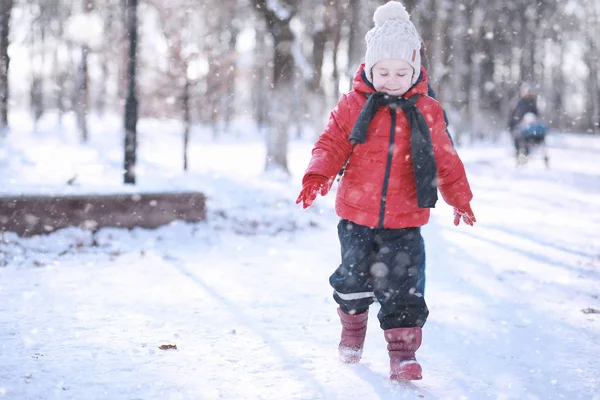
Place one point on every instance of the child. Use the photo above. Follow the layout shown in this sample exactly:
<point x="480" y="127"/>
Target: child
<point x="530" y="134"/>
<point x="393" y="137"/>
<point x="531" y="128"/>
<point x="526" y="105"/>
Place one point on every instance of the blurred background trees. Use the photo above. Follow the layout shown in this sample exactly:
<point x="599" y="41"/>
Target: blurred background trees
<point x="282" y="64"/>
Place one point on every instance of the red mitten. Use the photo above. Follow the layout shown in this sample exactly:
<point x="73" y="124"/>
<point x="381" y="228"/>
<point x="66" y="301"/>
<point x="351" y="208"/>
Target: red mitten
<point x="311" y="185"/>
<point x="465" y="213"/>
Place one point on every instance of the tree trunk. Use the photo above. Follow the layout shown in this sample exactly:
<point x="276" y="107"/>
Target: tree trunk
<point x="278" y="24"/>
<point x="527" y="47"/>
<point x="228" y="99"/>
<point x="318" y="53"/>
<point x="410" y="5"/>
<point x="101" y="97"/>
<point x="592" y="87"/>
<point x="558" y="84"/>
<point x="474" y="93"/>
<point x="131" y="105"/>
<point x="277" y="134"/>
<point x="102" y="94"/>
<point x="123" y="51"/>
<point x="36" y="93"/>
<point x="83" y="95"/>
<point x="280" y="108"/>
<point x="424" y="15"/>
<point x="314" y="98"/>
<point x="336" y="37"/>
<point x="490" y="93"/>
<point x="596" y="76"/>
<point x="356" y="51"/>
<point x="460" y="71"/>
<point x="60" y="79"/>
<point x="36" y="99"/>
<point x="186" y="120"/>
<point x="436" y="56"/>
<point x="59" y="75"/>
<point x="259" y="93"/>
<point x="5" y="12"/>
<point x="591" y="59"/>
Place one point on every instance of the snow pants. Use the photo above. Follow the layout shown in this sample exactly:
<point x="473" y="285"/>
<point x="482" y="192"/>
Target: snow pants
<point x="524" y="144"/>
<point x="384" y="265"/>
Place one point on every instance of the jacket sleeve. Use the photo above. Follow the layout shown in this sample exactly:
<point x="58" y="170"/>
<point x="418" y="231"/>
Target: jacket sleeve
<point x="452" y="178"/>
<point x="333" y="148"/>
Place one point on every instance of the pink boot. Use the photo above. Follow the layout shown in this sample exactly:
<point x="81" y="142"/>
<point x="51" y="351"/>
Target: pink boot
<point x="402" y="344"/>
<point x="354" y="330"/>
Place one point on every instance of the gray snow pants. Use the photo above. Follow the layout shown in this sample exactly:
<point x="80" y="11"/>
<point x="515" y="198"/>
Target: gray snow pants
<point x="384" y="265"/>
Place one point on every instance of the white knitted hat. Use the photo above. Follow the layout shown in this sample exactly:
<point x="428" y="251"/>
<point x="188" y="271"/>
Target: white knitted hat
<point x="393" y="36"/>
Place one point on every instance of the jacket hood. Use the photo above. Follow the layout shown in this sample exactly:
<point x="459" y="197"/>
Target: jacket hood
<point x="360" y="83"/>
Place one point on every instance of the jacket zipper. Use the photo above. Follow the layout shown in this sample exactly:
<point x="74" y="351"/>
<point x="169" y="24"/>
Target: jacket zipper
<point x="388" y="168"/>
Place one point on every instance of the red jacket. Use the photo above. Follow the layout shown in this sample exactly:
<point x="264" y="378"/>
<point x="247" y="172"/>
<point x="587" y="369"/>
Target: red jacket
<point x="359" y="196"/>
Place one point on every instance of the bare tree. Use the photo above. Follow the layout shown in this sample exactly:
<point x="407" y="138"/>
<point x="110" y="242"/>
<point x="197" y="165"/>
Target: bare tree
<point x="60" y="71"/>
<point x="261" y="78"/>
<point x="219" y="47"/>
<point x="131" y="105"/>
<point x="233" y="30"/>
<point x="314" y="102"/>
<point x="83" y="94"/>
<point x="5" y="12"/>
<point x="355" y="37"/>
<point x="592" y="59"/>
<point x="187" y="121"/>
<point x="82" y="103"/>
<point x="37" y="50"/>
<point x="110" y="52"/>
<point x="278" y="15"/>
<point x="480" y="52"/>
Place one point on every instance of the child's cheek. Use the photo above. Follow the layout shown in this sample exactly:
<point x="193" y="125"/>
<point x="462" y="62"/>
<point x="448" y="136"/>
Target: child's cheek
<point x="379" y="83"/>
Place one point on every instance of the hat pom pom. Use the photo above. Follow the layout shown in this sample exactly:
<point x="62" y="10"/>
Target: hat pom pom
<point x="390" y="10"/>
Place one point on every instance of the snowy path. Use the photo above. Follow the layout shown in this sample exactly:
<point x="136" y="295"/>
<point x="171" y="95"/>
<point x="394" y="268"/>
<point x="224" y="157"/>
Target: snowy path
<point x="252" y="314"/>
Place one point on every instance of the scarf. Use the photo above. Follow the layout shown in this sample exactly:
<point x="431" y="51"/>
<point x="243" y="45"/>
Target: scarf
<point x="420" y="141"/>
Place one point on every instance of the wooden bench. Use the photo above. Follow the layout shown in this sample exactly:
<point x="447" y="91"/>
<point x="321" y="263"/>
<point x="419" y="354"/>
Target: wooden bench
<point x="30" y="215"/>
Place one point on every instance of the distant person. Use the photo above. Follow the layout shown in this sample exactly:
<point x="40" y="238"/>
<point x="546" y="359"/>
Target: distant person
<point x="525" y="127"/>
<point x="526" y="104"/>
<point x="393" y="137"/>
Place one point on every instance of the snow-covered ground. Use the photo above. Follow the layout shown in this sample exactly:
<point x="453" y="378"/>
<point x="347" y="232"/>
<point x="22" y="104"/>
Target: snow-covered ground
<point x="244" y="295"/>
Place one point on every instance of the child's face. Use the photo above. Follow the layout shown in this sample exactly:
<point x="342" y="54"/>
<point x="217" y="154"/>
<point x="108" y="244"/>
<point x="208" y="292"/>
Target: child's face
<point x="392" y="76"/>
